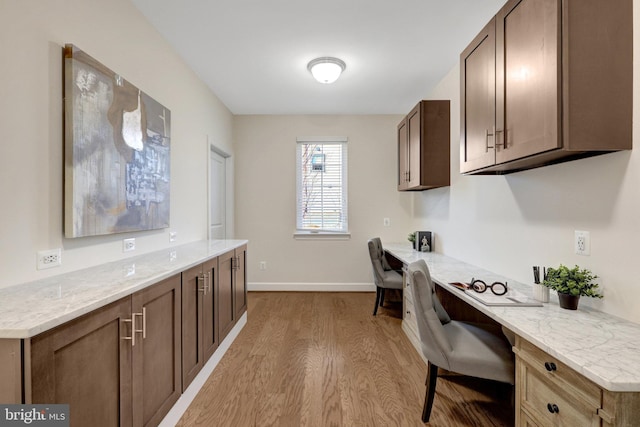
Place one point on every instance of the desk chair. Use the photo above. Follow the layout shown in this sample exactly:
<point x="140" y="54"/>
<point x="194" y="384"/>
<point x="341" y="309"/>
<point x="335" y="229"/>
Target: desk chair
<point x="383" y="275"/>
<point x="466" y="348"/>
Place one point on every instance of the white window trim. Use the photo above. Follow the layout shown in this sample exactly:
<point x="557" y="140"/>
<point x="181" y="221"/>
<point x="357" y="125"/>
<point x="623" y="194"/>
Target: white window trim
<point x="322" y="235"/>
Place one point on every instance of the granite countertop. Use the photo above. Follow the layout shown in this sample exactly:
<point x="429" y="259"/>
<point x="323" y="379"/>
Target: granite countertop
<point x="34" y="307"/>
<point x="600" y="346"/>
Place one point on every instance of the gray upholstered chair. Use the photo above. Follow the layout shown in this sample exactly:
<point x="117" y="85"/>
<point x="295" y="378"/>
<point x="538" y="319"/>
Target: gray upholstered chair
<point x="471" y="349"/>
<point x="383" y="275"/>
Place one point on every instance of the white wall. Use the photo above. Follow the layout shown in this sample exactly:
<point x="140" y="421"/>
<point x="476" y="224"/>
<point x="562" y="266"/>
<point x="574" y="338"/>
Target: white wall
<point x="32" y="34"/>
<point x="509" y="223"/>
<point x="266" y="199"/>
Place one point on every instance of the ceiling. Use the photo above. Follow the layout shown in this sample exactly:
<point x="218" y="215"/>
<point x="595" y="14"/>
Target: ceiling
<point x="253" y="54"/>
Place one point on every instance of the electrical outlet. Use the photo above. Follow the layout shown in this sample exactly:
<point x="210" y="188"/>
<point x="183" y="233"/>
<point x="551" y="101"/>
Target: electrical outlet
<point x="173" y="236"/>
<point x="129" y="270"/>
<point x="129" y="245"/>
<point x="386" y="222"/>
<point x="263" y="265"/>
<point x="49" y="259"/>
<point x="582" y="243"/>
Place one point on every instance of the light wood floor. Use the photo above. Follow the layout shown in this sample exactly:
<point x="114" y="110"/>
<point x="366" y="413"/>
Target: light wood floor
<point x="322" y="359"/>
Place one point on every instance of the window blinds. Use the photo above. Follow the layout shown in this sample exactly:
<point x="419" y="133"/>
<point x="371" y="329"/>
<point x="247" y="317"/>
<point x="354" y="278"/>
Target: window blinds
<point x="322" y="184"/>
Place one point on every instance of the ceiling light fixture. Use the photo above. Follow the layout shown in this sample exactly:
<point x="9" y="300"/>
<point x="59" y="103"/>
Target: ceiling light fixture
<point x="326" y="69"/>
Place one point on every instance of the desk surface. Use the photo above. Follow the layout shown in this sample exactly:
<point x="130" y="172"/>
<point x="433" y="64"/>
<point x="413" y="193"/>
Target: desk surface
<point x="602" y="347"/>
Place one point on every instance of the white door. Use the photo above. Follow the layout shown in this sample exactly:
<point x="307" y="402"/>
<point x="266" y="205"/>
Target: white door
<point x="217" y="195"/>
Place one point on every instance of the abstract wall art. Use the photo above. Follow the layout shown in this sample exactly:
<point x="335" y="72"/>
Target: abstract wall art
<point x="117" y="152"/>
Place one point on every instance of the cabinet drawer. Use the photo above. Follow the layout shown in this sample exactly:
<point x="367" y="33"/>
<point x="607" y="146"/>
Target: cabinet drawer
<point x="410" y="318"/>
<point x="550" y="405"/>
<point x="526" y="420"/>
<point x="559" y="374"/>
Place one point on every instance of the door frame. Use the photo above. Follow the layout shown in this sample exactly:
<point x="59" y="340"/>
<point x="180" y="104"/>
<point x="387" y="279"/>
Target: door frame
<point x="228" y="195"/>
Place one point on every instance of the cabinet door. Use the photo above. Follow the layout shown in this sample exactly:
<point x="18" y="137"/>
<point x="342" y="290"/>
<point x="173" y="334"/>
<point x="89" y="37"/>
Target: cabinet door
<point x="86" y="363"/>
<point x="527" y="78"/>
<point x="156" y="354"/>
<point x="414" y="129"/>
<point x="210" y="333"/>
<point x="403" y="155"/>
<point x="193" y="287"/>
<point x="240" y="282"/>
<point x="478" y="101"/>
<point x="10" y="371"/>
<point x="225" y="300"/>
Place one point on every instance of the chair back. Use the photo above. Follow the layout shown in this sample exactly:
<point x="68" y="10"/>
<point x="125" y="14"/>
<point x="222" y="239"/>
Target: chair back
<point x="430" y="315"/>
<point x="378" y="260"/>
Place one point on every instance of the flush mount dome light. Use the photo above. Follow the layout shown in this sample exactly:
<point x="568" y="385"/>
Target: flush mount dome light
<point x="326" y="70"/>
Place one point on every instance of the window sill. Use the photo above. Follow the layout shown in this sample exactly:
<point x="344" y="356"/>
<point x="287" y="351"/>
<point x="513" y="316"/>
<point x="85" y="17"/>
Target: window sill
<point x="321" y="235"/>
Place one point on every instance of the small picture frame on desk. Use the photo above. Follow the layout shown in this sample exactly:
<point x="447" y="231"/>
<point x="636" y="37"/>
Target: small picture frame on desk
<point x="420" y="235"/>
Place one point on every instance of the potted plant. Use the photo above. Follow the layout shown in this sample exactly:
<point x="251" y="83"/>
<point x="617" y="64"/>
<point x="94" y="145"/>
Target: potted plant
<point x="571" y="284"/>
<point x="412" y="238"/>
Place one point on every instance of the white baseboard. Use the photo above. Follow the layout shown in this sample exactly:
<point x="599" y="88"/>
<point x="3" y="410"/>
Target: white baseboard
<point x="312" y="287"/>
<point x="180" y="407"/>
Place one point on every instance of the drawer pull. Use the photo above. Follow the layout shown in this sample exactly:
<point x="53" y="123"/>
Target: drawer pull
<point x="550" y="366"/>
<point x="553" y="408"/>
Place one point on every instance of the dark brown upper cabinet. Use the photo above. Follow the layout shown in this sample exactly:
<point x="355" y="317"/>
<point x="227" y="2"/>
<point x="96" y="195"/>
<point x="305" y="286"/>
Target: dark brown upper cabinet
<point x="546" y="81"/>
<point x="424" y="147"/>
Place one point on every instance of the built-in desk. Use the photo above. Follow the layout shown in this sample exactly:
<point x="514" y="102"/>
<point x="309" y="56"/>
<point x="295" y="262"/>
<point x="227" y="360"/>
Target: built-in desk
<point x="587" y="358"/>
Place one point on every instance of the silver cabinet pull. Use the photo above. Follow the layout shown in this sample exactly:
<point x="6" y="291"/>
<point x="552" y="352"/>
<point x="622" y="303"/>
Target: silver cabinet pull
<point x="133" y="333"/>
<point x="494" y="134"/>
<point x="502" y="144"/>
<point x="486" y="139"/>
<point x="207" y="283"/>
<point x="202" y="277"/>
<point x="144" y="323"/>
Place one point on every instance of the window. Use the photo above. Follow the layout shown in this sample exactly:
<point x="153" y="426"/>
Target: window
<point x="321" y="185"/>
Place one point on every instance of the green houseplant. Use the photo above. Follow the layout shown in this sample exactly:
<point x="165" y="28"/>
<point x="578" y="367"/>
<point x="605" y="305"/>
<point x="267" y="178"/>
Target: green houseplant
<point x="412" y="238"/>
<point x="571" y="284"/>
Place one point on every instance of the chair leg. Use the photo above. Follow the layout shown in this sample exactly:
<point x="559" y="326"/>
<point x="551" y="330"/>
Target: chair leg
<point x="381" y="297"/>
<point x="432" y="376"/>
<point x="375" y="307"/>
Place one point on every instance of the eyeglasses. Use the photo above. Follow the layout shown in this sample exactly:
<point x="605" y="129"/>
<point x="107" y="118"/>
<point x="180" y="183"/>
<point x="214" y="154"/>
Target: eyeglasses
<point x="498" y="288"/>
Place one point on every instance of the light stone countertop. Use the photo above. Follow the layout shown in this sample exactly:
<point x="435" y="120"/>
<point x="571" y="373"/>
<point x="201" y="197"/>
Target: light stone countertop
<point x="600" y="346"/>
<point x="34" y="307"/>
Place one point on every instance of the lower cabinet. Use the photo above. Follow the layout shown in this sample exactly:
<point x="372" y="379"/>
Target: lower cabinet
<point x="199" y="318"/>
<point x="127" y="363"/>
<point x="87" y="363"/>
<point x="232" y="288"/>
<point x="118" y="365"/>
<point x="549" y="393"/>
<point x="157" y="379"/>
<point x="240" y="282"/>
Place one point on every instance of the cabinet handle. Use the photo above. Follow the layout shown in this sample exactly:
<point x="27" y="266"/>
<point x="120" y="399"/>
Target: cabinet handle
<point x="553" y="408"/>
<point x="203" y="289"/>
<point x="133" y="333"/>
<point x="486" y="139"/>
<point x="502" y="144"/>
<point x="550" y="366"/>
<point x="144" y="323"/>
<point x="495" y="139"/>
<point x="207" y="283"/>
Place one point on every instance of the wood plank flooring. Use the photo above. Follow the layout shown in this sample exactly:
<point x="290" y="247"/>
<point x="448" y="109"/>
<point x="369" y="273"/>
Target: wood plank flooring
<point x="322" y="359"/>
